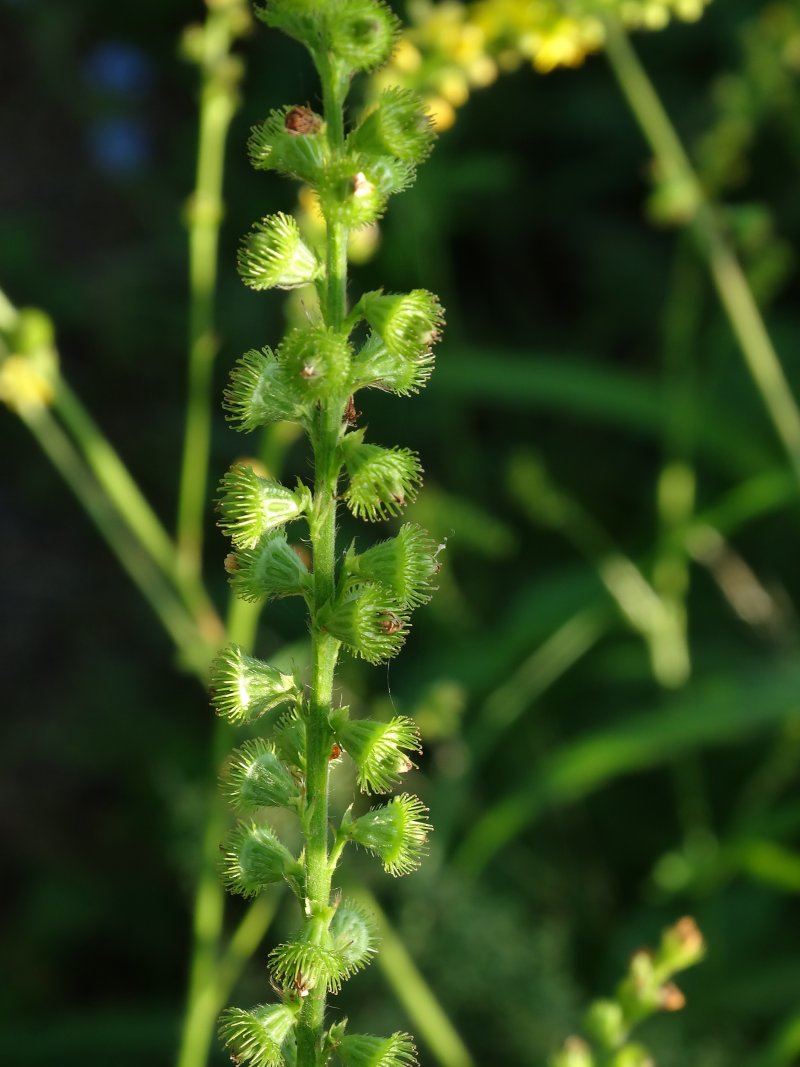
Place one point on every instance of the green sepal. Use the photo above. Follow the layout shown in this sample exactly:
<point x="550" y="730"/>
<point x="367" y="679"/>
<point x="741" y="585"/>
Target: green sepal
<point x="399" y="126"/>
<point x="361" y="33"/>
<point x="409" y="323"/>
<point x="405" y="564"/>
<point x="354" y="189"/>
<point x="376" y="366"/>
<point x="364" y="1050"/>
<point x="244" y="688"/>
<point x="251" y="506"/>
<point x="274" y="256"/>
<point x="255" y="777"/>
<point x="255" y="858"/>
<point x="305" y="20"/>
<point x="316" y="361"/>
<point x="354" y="933"/>
<point x="258" y="394"/>
<point x="271" y="570"/>
<point x="311" y="959"/>
<point x="255" y="1037"/>
<point x="378" y="749"/>
<point x="573" y="1053"/>
<point x="632" y="1056"/>
<point x="292" y="142"/>
<point x="382" y="480"/>
<point x="367" y="621"/>
<point x="397" y="833"/>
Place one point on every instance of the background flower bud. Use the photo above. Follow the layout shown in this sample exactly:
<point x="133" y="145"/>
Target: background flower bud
<point x="271" y="570"/>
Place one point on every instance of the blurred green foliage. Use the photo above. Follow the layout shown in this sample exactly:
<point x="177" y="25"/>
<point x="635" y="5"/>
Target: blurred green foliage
<point x="581" y="803"/>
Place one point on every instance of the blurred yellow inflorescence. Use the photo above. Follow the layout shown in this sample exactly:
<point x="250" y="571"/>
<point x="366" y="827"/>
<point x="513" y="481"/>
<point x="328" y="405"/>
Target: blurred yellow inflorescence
<point x="452" y="47"/>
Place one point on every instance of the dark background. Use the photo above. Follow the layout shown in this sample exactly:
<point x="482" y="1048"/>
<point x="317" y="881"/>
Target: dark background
<point x="529" y="221"/>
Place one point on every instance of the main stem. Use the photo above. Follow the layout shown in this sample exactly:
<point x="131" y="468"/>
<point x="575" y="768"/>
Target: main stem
<point x="325" y="438"/>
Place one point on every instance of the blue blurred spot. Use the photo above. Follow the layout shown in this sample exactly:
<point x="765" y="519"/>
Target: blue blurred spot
<point x="119" y="145"/>
<point x="119" y="67"/>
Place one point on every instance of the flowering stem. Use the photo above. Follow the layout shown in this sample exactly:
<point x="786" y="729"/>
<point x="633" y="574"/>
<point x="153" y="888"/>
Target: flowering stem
<point x="325" y="648"/>
<point x="729" y="279"/>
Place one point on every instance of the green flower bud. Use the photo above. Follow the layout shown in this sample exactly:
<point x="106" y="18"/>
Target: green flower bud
<point x="377" y="367"/>
<point x="256" y="1036"/>
<point x="316" y="360"/>
<point x="633" y="1056"/>
<point x="353" y="191"/>
<point x="275" y="256"/>
<point x="408" y="323"/>
<point x="361" y="33"/>
<point x="382" y="480"/>
<point x="682" y="946"/>
<point x="377" y="748"/>
<point x="311" y="960"/>
<point x="574" y="1053"/>
<point x="399" y="126"/>
<point x="364" y="1050"/>
<point x="605" y="1023"/>
<point x="255" y="858"/>
<point x="256" y="778"/>
<point x="397" y="833"/>
<point x="243" y="688"/>
<point x="258" y="394"/>
<point x="272" y="569"/>
<point x="292" y="142"/>
<point x="252" y="506"/>
<point x="405" y="564"/>
<point x="367" y="622"/>
<point x="355" y="935"/>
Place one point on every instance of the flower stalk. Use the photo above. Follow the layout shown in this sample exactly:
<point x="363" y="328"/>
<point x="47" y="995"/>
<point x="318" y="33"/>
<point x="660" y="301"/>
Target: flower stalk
<point x="357" y="603"/>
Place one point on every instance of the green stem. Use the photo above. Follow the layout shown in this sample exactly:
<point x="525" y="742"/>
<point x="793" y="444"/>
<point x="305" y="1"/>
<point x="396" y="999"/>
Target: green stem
<point x="732" y="287"/>
<point x="325" y="437"/>
<point x="171" y="612"/>
<point x="122" y="490"/>
<point x="414" y="993"/>
<point x="218" y="102"/>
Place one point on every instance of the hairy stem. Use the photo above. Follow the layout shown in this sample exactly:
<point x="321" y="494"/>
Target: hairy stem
<point x="318" y="868"/>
